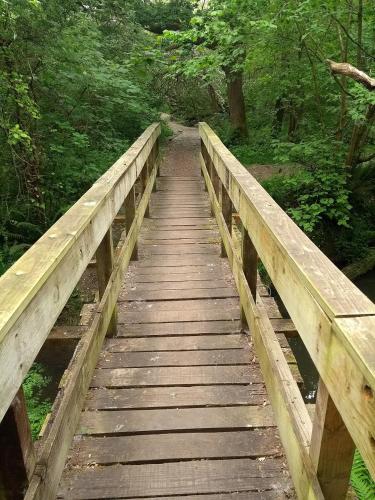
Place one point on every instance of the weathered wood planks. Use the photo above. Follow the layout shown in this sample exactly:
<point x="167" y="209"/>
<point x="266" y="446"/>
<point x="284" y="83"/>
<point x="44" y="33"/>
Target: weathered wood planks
<point x="183" y="478"/>
<point x="36" y="288"/>
<point x="317" y="295"/>
<point x="179" y="386"/>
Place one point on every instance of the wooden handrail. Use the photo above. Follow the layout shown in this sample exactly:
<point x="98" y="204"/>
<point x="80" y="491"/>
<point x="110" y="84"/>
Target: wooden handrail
<point x="335" y="320"/>
<point x="36" y="288"/>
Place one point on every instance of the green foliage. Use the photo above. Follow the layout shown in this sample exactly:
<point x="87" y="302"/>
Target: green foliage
<point x="37" y="405"/>
<point x="318" y="200"/>
<point x="75" y="91"/>
<point x="360" y="479"/>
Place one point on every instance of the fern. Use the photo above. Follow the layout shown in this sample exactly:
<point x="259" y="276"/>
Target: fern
<point x="37" y="406"/>
<point x="361" y="480"/>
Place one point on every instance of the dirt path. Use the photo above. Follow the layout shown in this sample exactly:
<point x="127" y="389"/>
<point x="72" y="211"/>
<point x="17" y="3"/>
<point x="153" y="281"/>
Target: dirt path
<point x="182" y="154"/>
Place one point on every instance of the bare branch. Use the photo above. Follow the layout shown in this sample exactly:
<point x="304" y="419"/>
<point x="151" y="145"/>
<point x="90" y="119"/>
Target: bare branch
<point x="347" y="69"/>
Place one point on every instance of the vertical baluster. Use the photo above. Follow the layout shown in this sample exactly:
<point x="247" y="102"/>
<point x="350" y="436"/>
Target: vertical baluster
<point x="227" y="209"/>
<point x="130" y="208"/>
<point x="250" y="266"/>
<point x="104" y="267"/>
<point x="332" y="448"/>
<point x="157" y="154"/>
<point x="17" y="457"/>
<point x="153" y="160"/>
<point x="144" y="176"/>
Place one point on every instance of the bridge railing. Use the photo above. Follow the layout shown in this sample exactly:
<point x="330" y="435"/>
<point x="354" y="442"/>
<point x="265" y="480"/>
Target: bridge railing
<point x="335" y="321"/>
<point x="33" y="293"/>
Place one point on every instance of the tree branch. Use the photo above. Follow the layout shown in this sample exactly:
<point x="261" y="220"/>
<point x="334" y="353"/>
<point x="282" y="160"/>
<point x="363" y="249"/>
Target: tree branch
<point x="347" y="69"/>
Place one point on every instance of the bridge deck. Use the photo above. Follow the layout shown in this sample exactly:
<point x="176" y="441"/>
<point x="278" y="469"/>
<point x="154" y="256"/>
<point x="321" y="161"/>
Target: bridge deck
<point x="177" y="405"/>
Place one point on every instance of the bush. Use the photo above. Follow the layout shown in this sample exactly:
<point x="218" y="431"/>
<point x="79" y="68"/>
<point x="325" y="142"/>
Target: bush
<point x="313" y="198"/>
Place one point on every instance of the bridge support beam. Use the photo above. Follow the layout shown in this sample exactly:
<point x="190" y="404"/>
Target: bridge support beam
<point x="104" y="268"/>
<point x="332" y="448"/>
<point x="130" y="207"/>
<point x="17" y="458"/>
<point x="250" y="267"/>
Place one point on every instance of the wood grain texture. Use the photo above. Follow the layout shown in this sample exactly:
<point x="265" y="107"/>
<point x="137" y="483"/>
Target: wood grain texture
<point x="317" y="295"/>
<point x="290" y="411"/>
<point x="176" y="397"/>
<point x="172" y="420"/>
<point x="168" y="447"/>
<point x="192" y="375"/>
<point x="35" y="289"/>
<point x="184" y="478"/>
<point x="177" y="358"/>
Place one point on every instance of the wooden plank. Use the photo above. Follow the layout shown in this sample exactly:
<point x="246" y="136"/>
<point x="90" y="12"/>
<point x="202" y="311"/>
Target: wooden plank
<point x="197" y="328"/>
<point x="184" y="241"/>
<point x="285" y="326"/>
<point x="178" y="235"/>
<point x="184" y="375"/>
<point x="174" y="420"/>
<point x="198" y="273"/>
<point x="181" y="269"/>
<point x="166" y="223"/>
<point x="178" y="316"/>
<point x="17" y="456"/>
<point x="52" y="267"/>
<point x="180" y="305"/>
<point x="194" y="477"/>
<point x="175" y="294"/>
<point x="175" y="358"/>
<point x="167" y="447"/>
<point x="249" y="495"/>
<point x="178" y="285"/>
<point x="199" y="248"/>
<point x="332" y="448"/>
<point x="177" y="260"/>
<point x="176" y="397"/>
<point x="314" y="291"/>
<point x="177" y="343"/>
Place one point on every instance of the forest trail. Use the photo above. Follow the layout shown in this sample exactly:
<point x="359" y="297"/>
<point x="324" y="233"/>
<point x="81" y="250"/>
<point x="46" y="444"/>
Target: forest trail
<point x="177" y="405"/>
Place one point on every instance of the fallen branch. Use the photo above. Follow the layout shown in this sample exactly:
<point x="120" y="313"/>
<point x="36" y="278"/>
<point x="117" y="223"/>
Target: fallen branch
<point x="347" y="69"/>
<point x="360" y="267"/>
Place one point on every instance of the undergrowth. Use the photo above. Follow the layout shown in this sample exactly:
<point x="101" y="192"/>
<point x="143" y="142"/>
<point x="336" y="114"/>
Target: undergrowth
<point x="37" y="405"/>
<point x="361" y="480"/>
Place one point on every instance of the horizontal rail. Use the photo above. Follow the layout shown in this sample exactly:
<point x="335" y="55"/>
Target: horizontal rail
<point x="56" y="441"/>
<point x="36" y="288"/>
<point x="290" y="411"/>
<point x="335" y="320"/>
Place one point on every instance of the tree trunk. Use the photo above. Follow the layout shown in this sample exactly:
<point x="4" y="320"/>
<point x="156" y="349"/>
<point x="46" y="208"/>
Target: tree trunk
<point x="236" y="103"/>
<point x="359" y="137"/>
<point x="215" y="103"/>
<point x="278" y="117"/>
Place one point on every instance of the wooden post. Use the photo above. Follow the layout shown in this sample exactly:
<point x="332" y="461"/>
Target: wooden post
<point x="144" y="178"/>
<point x="153" y="159"/>
<point x="227" y="209"/>
<point x="157" y="153"/>
<point x="250" y="266"/>
<point x="205" y="158"/>
<point x="104" y="267"/>
<point x="332" y="448"/>
<point x="129" y="205"/>
<point x="17" y="456"/>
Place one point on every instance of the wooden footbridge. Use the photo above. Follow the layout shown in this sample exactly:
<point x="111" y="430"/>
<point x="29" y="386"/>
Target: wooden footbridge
<point x="182" y="384"/>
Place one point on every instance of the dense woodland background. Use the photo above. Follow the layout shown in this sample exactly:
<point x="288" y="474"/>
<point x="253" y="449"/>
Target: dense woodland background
<point x="79" y="81"/>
